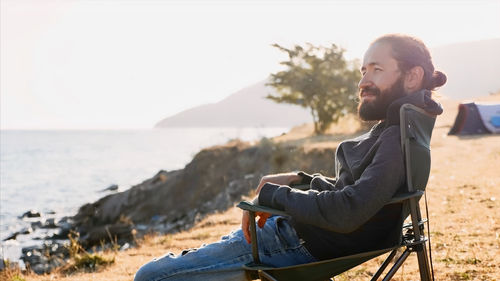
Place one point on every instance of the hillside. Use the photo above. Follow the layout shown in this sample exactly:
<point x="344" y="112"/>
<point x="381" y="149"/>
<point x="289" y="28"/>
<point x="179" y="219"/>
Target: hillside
<point x="471" y="68"/>
<point x="245" y="108"/>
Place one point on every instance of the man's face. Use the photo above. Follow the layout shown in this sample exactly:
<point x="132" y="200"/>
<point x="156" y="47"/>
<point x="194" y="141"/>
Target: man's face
<point x="381" y="84"/>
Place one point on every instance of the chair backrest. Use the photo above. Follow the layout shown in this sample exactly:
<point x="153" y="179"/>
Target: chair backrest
<point x="416" y="130"/>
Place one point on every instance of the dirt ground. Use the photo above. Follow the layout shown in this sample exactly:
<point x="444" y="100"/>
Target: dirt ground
<point x="464" y="209"/>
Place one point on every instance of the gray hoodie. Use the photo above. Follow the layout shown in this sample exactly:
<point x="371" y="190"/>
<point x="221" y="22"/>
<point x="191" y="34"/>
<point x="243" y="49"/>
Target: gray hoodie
<point x="348" y="214"/>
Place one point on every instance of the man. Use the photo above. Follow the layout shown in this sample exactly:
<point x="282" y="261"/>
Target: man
<point x="336" y="216"/>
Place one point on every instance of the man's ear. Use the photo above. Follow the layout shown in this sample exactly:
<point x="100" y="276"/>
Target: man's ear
<point x="414" y="79"/>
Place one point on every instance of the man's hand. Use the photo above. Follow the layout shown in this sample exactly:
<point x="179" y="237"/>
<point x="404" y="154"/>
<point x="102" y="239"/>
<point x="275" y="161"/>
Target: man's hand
<point x="245" y="222"/>
<point x="282" y="179"/>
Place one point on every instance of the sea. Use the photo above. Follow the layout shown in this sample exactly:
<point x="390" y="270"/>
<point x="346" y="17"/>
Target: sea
<point x="56" y="172"/>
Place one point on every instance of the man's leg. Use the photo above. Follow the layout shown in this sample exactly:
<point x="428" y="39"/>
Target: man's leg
<point x="223" y="260"/>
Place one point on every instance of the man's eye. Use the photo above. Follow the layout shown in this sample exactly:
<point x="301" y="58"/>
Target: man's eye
<point x="378" y="69"/>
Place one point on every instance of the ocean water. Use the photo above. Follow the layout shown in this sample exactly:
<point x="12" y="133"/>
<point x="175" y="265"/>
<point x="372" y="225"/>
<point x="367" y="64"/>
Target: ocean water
<point x="55" y="172"/>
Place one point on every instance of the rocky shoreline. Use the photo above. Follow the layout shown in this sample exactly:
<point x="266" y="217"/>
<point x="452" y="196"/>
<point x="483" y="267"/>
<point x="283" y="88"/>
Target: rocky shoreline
<point x="171" y="201"/>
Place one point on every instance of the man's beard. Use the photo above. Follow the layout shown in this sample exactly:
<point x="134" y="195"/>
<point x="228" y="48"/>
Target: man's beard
<point x="377" y="108"/>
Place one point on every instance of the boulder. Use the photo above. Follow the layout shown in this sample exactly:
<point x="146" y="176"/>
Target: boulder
<point x="13" y="236"/>
<point x="113" y="187"/>
<point x="31" y="214"/>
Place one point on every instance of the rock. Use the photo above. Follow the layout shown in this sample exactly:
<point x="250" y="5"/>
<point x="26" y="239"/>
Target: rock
<point x="125" y="246"/>
<point x="34" y="257"/>
<point x="106" y="233"/>
<point x="13" y="236"/>
<point x="31" y="214"/>
<point x="24" y="231"/>
<point x="65" y="225"/>
<point x="60" y="234"/>
<point x="36" y="224"/>
<point x="40" y="268"/>
<point x="49" y="223"/>
<point x="113" y="187"/>
<point x="46" y="257"/>
<point x="25" y="250"/>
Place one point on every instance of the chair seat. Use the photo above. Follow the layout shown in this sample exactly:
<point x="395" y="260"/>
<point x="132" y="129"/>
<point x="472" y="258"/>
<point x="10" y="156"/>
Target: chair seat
<point x="321" y="270"/>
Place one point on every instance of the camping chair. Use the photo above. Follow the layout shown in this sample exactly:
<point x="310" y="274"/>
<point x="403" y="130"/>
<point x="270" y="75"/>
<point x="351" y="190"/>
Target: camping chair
<point x="416" y="129"/>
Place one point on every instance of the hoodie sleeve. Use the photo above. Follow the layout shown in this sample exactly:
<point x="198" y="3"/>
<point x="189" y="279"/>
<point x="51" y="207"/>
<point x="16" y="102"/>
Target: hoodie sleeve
<point x="346" y="209"/>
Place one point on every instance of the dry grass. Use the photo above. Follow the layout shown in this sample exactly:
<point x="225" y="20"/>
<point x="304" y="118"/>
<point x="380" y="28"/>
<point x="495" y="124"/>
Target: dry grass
<point x="12" y="274"/>
<point x="464" y="202"/>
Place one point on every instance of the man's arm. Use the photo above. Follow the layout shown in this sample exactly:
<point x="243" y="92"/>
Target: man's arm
<point x="346" y="209"/>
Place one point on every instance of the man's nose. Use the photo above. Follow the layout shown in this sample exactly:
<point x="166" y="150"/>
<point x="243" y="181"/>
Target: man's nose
<point x="364" y="82"/>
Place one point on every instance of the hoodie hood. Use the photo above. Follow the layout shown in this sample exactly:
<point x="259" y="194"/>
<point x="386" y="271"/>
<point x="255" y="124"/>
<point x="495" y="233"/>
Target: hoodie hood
<point x="420" y="99"/>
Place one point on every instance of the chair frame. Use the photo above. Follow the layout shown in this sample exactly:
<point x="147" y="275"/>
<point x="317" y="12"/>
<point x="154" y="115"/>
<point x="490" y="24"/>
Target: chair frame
<point x="414" y="240"/>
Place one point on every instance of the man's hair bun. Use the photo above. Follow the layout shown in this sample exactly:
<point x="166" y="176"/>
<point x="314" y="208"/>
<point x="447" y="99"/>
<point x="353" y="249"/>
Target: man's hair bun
<point x="438" y="79"/>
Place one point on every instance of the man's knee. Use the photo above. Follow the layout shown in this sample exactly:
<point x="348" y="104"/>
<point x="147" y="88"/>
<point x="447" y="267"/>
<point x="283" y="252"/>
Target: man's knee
<point x="146" y="272"/>
<point x="154" y="270"/>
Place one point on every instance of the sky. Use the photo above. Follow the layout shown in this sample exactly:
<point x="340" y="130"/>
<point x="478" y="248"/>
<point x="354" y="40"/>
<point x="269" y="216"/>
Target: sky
<point x="125" y="64"/>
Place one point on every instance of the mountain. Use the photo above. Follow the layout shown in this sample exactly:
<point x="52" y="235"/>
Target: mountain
<point x="471" y="68"/>
<point x="245" y="108"/>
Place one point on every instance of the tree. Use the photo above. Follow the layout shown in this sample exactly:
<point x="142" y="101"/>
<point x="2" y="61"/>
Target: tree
<point x="320" y="79"/>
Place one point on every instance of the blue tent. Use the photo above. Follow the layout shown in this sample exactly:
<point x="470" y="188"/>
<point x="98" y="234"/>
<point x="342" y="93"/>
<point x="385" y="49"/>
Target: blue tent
<point x="476" y="118"/>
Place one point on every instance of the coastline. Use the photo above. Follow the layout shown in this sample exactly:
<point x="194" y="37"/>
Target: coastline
<point x="56" y="172"/>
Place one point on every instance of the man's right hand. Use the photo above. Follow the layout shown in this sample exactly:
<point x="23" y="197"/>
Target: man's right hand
<point x="281" y="179"/>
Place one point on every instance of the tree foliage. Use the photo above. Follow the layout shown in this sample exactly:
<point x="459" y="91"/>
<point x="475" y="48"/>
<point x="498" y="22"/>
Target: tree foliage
<point x="318" y="78"/>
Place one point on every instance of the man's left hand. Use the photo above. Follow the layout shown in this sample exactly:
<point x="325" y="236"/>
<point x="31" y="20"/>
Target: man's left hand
<point x="245" y="223"/>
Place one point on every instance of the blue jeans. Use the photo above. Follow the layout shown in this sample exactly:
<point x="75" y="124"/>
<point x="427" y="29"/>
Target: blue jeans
<point x="279" y="246"/>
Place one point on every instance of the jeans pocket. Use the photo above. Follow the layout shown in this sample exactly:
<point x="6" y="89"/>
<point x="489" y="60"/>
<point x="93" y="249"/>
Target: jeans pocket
<point x="306" y="253"/>
<point x="287" y="234"/>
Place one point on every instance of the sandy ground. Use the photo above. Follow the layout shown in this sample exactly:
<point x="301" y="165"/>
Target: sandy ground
<point x="464" y="209"/>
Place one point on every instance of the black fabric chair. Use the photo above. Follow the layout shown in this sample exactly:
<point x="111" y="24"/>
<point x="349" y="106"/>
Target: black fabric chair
<point x="416" y="130"/>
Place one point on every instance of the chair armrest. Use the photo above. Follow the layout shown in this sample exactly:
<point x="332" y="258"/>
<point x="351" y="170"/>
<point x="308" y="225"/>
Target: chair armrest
<point x="405" y="195"/>
<point x="249" y="206"/>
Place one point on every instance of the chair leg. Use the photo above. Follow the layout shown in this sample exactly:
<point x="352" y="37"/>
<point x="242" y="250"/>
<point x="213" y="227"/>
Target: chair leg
<point x="397" y="265"/>
<point x="384" y="265"/>
<point x="423" y="263"/>
<point x="253" y="234"/>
